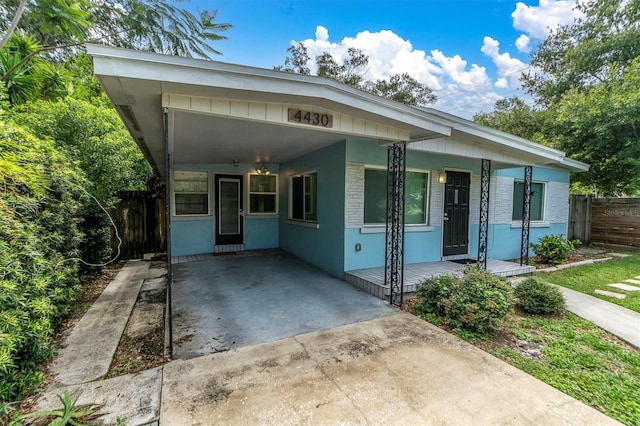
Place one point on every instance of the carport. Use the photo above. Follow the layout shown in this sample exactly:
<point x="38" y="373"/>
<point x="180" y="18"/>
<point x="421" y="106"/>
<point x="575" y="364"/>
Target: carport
<point x="234" y="300"/>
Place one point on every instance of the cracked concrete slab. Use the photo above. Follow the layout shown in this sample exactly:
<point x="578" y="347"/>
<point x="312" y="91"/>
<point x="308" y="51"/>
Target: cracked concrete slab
<point x="154" y="284"/>
<point x="135" y="398"/>
<point x="396" y="369"/>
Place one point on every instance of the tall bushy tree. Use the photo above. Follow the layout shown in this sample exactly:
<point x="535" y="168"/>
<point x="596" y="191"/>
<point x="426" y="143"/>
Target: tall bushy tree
<point x="399" y="87"/>
<point x="514" y="116"/>
<point x="96" y="139"/>
<point x="595" y="49"/>
<point x="586" y="85"/>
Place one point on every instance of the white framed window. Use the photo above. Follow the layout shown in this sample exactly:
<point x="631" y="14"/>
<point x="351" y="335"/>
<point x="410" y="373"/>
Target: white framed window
<point x="191" y="193"/>
<point x="263" y="194"/>
<point x="304" y="197"/>
<point x="538" y="192"/>
<point x="375" y="197"/>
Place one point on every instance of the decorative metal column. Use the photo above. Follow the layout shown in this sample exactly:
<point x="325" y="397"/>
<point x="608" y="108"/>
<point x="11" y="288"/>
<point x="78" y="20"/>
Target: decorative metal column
<point x="485" y="182"/>
<point x="526" y="216"/>
<point x="394" y="260"/>
<point x="167" y="197"/>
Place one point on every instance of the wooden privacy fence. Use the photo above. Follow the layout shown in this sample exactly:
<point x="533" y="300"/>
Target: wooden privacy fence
<point x="605" y="220"/>
<point x="141" y="221"/>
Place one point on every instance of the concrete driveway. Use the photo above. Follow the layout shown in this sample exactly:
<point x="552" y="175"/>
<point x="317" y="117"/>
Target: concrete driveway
<point x="396" y="369"/>
<point x="233" y="301"/>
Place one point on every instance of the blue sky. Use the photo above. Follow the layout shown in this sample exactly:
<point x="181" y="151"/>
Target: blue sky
<point x="470" y="52"/>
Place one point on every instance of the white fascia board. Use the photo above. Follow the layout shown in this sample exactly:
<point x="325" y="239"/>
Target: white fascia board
<point x="575" y="165"/>
<point x="499" y="137"/>
<point x="197" y="72"/>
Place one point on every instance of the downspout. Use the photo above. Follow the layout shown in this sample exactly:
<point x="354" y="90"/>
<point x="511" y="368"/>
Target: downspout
<point x="167" y="187"/>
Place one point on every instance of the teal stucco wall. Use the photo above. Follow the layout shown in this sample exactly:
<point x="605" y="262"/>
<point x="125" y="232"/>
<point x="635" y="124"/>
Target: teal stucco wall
<point x="324" y="246"/>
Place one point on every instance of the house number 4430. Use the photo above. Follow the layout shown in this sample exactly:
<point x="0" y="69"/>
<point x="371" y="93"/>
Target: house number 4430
<point x="311" y="118"/>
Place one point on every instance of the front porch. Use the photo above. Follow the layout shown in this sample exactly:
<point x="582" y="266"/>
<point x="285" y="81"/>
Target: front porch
<point x="371" y="280"/>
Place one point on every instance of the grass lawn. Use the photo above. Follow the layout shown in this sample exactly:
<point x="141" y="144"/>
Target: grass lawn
<point x="588" y="278"/>
<point x="578" y="358"/>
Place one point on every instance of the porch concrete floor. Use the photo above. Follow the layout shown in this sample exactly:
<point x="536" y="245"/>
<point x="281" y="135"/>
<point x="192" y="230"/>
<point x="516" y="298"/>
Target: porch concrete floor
<point x="226" y="302"/>
<point x="372" y="279"/>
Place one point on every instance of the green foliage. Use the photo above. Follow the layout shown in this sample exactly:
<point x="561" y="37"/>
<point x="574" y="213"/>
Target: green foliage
<point x="538" y="297"/>
<point x="70" y="414"/>
<point x="399" y="87"/>
<point x="480" y="303"/>
<point x="94" y="138"/>
<point x="155" y="25"/>
<point x="515" y="117"/>
<point x="582" y="54"/>
<point x="477" y="302"/>
<point x="40" y="207"/>
<point x="588" y="278"/>
<point x="581" y="360"/>
<point x="554" y="249"/>
<point x="432" y="292"/>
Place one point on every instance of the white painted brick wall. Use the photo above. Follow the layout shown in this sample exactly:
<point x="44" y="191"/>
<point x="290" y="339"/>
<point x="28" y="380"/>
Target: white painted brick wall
<point x="436" y="209"/>
<point x="354" y="196"/>
<point x="501" y="200"/>
<point x="557" y="202"/>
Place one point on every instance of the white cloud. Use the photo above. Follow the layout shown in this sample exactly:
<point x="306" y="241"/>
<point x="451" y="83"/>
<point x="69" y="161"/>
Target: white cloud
<point x="537" y="21"/>
<point x="462" y="88"/>
<point x="522" y="43"/>
<point x="509" y="69"/>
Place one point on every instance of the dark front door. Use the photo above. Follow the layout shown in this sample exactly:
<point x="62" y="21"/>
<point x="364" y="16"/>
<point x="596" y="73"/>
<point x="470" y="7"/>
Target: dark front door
<point x="229" y="223"/>
<point x="456" y="214"/>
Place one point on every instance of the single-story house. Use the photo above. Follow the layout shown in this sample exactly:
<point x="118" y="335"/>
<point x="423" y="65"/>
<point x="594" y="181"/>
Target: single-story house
<point x="343" y="179"/>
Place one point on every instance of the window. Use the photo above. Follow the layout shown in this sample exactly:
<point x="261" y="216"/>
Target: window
<point x="304" y="196"/>
<point x="375" y="197"/>
<point x="191" y="191"/>
<point x="263" y="194"/>
<point x="537" y="201"/>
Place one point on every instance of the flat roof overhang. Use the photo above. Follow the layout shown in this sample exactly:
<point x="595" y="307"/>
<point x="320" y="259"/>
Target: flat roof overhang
<point x="222" y="112"/>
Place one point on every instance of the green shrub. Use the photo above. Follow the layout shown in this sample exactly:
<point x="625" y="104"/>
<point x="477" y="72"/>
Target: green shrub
<point x="432" y="292"/>
<point x="554" y="249"/>
<point x="477" y="302"/>
<point x="538" y="297"/>
<point x="40" y="206"/>
<point x="480" y="302"/>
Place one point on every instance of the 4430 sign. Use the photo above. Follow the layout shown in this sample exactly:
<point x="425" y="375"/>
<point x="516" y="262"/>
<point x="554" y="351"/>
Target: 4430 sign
<point x="311" y="118"/>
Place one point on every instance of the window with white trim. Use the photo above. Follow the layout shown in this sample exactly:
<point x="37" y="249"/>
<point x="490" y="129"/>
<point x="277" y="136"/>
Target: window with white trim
<point x="263" y="194"/>
<point x="375" y="197"/>
<point x="537" y="201"/>
<point x="191" y="193"/>
<point x="304" y="197"/>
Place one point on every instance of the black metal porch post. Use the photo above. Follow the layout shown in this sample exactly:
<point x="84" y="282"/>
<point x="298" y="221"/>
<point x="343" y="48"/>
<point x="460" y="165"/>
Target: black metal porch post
<point x="394" y="259"/>
<point x="483" y="232"/>
<point x="167" y="197"/>
<point x="526" y="216"/>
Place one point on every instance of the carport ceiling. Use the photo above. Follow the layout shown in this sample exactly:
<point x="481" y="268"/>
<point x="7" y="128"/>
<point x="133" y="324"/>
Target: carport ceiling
<point x="200" y="138"/>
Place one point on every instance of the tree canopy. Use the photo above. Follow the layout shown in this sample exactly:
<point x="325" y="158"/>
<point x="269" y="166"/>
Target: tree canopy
<point x="399" y="87"/>
<point x="586" y="82"/>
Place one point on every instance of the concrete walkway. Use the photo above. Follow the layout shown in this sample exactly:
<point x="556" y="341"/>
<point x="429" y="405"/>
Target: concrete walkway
<point x="617" y="320"/>
<point x="89" y="348"/>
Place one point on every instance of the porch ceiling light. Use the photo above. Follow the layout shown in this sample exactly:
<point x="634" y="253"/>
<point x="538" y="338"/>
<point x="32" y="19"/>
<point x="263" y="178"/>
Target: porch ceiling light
<point x="442" y="177"/>
<point x="263" y="170"/>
